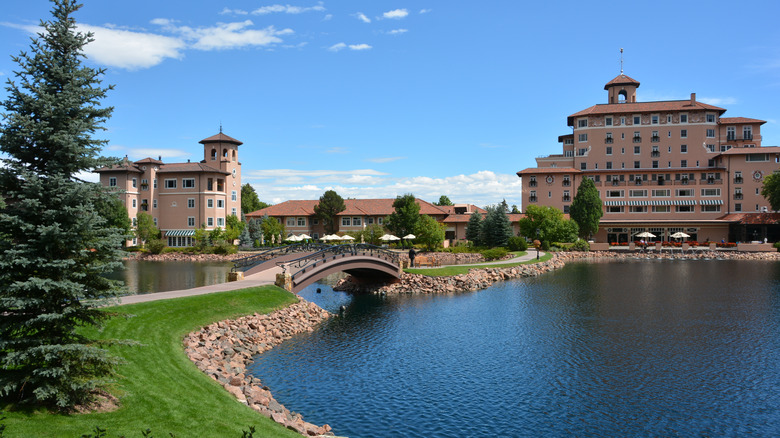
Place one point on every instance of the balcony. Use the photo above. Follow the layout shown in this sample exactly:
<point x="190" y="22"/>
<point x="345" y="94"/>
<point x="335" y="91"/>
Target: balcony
<point x="532" y="199"/>
<point x="609" y="140"/>
<point x="738" y="180"/>
<point x="655" y="139"/>
<point x="566" y="198"/>
<point x="532" y="183"/>
<point x="685" y="182"/>
<point x="566" y="183"/>
<point x="747" y="137"/>
<point x="637" y="139"/>
<point x="617" y="183"/>
<point x="661" y="181"/>
<point x="655" y="154"/>
<point x="731" y="137"/>
<point x="714" y="181"/>
<point x="638" y="182"/>
<point x="737" y="196"/>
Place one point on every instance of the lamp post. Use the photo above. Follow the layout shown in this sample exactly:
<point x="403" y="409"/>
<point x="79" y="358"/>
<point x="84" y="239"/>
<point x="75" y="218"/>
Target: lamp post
<point x="537" y="246"/>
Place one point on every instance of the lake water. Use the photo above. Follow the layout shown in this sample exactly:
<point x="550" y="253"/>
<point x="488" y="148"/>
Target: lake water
<point x="636" y="348"/>
<point x="143" y="277"/>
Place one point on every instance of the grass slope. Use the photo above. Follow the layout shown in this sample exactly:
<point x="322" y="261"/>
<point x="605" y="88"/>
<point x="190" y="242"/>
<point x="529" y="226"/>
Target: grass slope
<point x="159" y="387"/>
<point x="448" y="271"/>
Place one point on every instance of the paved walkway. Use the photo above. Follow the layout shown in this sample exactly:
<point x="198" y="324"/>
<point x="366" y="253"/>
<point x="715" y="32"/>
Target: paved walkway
<point x="263" y="279"/>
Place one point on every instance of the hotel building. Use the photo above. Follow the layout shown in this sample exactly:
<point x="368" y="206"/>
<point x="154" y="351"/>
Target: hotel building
<point x="662" y="167"/>
<point x="181" y="197"/>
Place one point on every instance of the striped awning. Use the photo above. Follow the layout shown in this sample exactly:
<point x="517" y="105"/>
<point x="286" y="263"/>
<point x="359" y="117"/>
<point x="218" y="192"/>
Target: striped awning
<point x="711" y="202"/>
<point x="685" y="202"/>
<point x="614" y="203"/>
<point x="179" y="233"/>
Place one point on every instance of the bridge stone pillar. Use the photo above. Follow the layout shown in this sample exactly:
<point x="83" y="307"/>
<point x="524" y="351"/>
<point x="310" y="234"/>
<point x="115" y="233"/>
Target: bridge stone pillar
<point x="284" y="280"/>
<point x="235" y="276"/>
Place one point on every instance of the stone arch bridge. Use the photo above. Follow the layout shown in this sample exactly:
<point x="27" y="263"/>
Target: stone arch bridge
<point x="303" y="264"/>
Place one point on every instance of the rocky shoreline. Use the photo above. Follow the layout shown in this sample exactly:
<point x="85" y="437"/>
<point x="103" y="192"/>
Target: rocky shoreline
<point x="182" y="257"/>
<point x="223" y="350"/>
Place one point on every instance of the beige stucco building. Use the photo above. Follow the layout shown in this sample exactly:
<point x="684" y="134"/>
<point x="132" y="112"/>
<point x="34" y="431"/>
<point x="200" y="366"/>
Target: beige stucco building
<point x="662" y="166"/>
<point x="181" y="197"/>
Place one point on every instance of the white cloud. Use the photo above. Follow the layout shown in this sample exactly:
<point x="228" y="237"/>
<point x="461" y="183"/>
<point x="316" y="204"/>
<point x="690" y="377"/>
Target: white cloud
<point x="336" y="47"/>
<point x="362" y="17"/>
<point x="359" y="47"/>
<point x="337" y="150"/>
<point x="166" y="154"/>
<point x="718" y="100"/>
<point x="425" y="11"/>
<point x="481" y="188"/>
<point x="385" y="159"/>
<point x="396" y="14"/>
<point x="287" y="9"/>
<point x="327" y="17"/>
<point x="229" y="35"/>
<point x="228" y="11"/>
<point x="397" y="31"/>
<point x="130" y="50"/>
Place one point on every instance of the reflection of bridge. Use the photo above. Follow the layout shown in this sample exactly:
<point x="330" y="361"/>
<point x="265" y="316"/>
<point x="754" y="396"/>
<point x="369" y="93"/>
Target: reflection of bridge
<point x="305" y="263"/>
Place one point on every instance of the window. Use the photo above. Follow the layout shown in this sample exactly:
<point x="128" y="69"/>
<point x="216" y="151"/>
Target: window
<point x="170" y="183"/>
<point x="655" y="164"/>
<point x="668" y="118"/>
<point x="379" y="221"/>
<point x="683" y="118"/>
<point x="346" y="221"/>
<point x="369" y="221"/>
<point x="191" y="203"/>
<point x="154" y="203"/>
<point x="532" y="181"/>
<point x="608" y="121"/>
<point x="209" y="203"/>
<point x="683" y="163"/>
<point x="710" y="118"/>
<point x="710" y="208"/>
<point x="234" y="211"/>
<point x="301" y="221"/>
<point x="220" y="221"/>
<point x="133" y="203"/>
<point x="609" y="150"/>
<point x="609" y="165"/>
<point x="661" y="193"/>
<point x="210" y="184"/>
<point x="614" y="209"/>
<point x="622" y="120"/>
<point x="637" y="209"/>
<point x="356" y="221"/>
<point x="568" y="141"/>
<point x="112" y="182"/>
<point x="637" y="150"/>
<point x="220" y="203"/>
<point x="637" y="165"/>
<point x="737" y="207"/>
<point x="683" y="133"/>
<point x="683" y="208"/>
<point x="191" y="221"/>
<point x="685" y="193"/>
<point x="683" y="148"/>
<point x="154" y="219"/>
<point x="757" y="157"/>
<point x="188" y="183"/>
<point x="654" y="119"/>
<point x="710" y="192"/>
<point x="583" y="166"/>
<point x="747" y="132"/>
<point x="135" y="183"/>
<point x="662" y="209"/>
<point x="532" y="196"/>
<point x="582" y="138"/>
<point x="135" y="223"/>
<point x="731" y="133"/>
<point x="637" y="193"/>
<point x="615" y="193"/>
<point x="637" y="120"/>
<point x="582" y="123"/>
<point x="710" y="133"/>
<point x="234" y="195"/>
<point x="144" y="184"/>
<point x="209" y="221"/>
<point x="290" y="221"/>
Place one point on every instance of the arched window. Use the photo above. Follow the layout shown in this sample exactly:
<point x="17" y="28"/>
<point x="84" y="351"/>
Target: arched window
<point x="234" y="155"/>
<point x="224" y="153"/>
<point x="213" y="154"/>
<point x="622" y="96"/>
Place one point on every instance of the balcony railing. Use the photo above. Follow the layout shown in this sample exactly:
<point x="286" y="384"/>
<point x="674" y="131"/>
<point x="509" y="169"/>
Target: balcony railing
<point x="738" y="180"/>
<point x="737" y="196"/>
<point x="747" y="137"/>
<point x="637" y="182"/>
<point x="566" y="183"/>
<point x="714" y="181"/>
<point x="731" y="137"/>
<point x="637" y="139"/>
<point x="655" y="139"/>
<point x="566" y="198"/>
<point x="532" y="199"/>
<point x="531" y="183"/>
<point x="655" y="154"/>
<point x="609" y="140"/>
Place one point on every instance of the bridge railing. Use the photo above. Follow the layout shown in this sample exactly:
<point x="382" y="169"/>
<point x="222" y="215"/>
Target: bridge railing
<point x="247" y="262"/>
<point x="300" y="265"/>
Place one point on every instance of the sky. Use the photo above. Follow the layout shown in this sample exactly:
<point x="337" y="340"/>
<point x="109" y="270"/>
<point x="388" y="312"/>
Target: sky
<point x="376" y="99"/>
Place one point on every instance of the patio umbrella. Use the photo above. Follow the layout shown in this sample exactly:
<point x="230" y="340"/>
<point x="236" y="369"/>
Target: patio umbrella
<point x="328" y="237"/>
<point x="304" y="237"/>
<point x="410" y="236"/>
<point x="293" y="238"/>
<point x="645" y="234"/>
<point x="346" y="237"/>
<point x="679" y="235"/>
<point x="389" y="237"/>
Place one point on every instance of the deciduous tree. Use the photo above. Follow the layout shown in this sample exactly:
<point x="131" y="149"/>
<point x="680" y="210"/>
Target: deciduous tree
<point x="771" y="190"/>
<point x="327" y="210"/>
<point x="55" y="248"/>
<point x="444" y="200"/>
<point x="586" y="208"/>
<point x="406" y="215"/>
<point x="145" y="229"/>
<point x="430" y="232"/>
<point x="249" y="200"/>
<point x="550" y="223"/>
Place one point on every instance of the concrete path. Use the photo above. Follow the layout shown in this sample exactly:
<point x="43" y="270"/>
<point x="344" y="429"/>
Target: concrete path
<point x="265" y="278"/>
<point x="531" y="255"/>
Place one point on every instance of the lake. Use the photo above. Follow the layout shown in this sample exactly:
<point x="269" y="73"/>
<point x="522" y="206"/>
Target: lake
<point x="633" y="348"/>
<point x="143" y="277"/>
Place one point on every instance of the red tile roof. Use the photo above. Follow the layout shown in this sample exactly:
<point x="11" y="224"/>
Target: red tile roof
<point x="189" y="167"/>
<point x="739" y="120"/>
<point x="753" y="218"/>
<point x="220" y="138"/>
<point x="750" y="151"/>
<point x="355" y="207"/>
<point x="621" y="79"/>
<point x="643" y="107"/>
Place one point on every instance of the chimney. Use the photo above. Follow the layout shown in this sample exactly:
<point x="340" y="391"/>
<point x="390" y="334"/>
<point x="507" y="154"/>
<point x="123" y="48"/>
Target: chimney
<point x="693" y="98"/>
<point x="159" y="158"/>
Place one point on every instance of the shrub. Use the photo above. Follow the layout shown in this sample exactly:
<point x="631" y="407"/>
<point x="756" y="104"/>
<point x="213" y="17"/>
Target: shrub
<point x="517" y="243"/>
<point x="494" y="253"/>
<point x="155" y="246"/>
<point x="223" y="247"/>
<point x="580" y="245"/>
<point x="545" y="246"/>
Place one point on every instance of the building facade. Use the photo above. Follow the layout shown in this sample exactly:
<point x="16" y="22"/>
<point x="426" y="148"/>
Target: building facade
<point x="662" y="167"/>
<point x="182" y="197"/>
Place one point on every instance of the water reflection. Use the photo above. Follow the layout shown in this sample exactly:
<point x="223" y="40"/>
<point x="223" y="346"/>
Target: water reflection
<point x="648" y="348"/>
<point x="142" y="277"/>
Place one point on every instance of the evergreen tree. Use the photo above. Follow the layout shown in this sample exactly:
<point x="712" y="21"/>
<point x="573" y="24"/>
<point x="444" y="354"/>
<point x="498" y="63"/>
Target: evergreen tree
<point x="496" y="228"/>
<point x="54" y="246"/>
<point x="404" y="219"/>
<point x="330" y="205"/>
<point x="474" y="229"/>
<point x="586" y="208"/>
<point x="444" y="200"/>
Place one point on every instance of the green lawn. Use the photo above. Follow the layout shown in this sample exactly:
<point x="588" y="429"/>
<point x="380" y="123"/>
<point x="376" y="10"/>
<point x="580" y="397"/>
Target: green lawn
<point x="448" y="271"/>
<point x="159" y="387"/>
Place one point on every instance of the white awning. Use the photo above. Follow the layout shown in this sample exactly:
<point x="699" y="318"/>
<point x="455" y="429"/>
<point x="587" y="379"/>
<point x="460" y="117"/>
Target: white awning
<point x="179" y="233"/>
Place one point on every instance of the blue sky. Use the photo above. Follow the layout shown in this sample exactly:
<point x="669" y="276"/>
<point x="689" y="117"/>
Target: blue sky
<point x="382" y="98"/>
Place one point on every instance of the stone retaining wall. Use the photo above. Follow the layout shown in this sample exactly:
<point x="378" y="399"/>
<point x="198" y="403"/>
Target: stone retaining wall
<point x="222" y="350"/>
